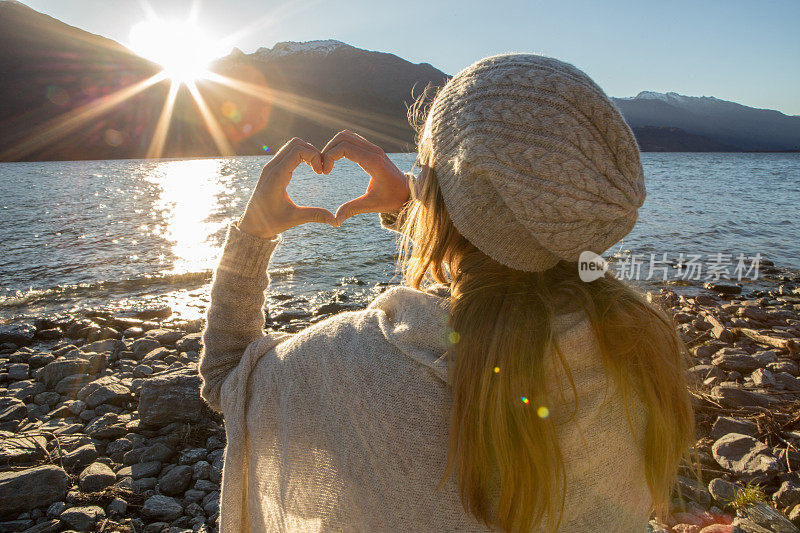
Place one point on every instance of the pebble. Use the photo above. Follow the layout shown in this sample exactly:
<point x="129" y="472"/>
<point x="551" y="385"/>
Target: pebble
<point x="96" y="477"/>
<point x="161" y="507"/>
<point x="176" y="480"/>
<point x="82" y="518"/>
<point x="171" y="397"/>
<point x="746" y="456"/>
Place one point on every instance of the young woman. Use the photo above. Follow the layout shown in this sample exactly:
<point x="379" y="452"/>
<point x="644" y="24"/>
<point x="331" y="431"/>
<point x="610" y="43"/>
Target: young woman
<point x="494" y="390"/>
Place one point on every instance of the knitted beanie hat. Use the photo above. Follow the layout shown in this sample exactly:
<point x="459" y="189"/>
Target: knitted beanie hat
<point x="534" y="162"/>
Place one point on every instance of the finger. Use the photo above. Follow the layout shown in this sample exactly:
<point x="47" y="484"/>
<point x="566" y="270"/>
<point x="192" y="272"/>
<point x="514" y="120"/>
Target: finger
<point x="351" y="137"/>
<point x="347" y="135"/>
<point x="315" y="214"/>
<point x="295" y="152"/>
<point x="362" y="204"/>
<point x="364" y="142"/>
<point x="356" y="153"/>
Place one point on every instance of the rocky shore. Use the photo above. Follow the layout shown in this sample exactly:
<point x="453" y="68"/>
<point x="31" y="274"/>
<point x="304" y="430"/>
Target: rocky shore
<point x="102" y="427"/>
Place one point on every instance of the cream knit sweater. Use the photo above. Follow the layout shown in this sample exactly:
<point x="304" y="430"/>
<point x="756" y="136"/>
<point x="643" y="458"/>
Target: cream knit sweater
<point x="343" y="426"/>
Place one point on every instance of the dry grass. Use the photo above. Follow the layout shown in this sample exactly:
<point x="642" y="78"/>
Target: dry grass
<point x="750" y="494"/>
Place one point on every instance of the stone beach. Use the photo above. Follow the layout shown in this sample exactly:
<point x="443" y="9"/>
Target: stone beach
<point x="102" y="427"/>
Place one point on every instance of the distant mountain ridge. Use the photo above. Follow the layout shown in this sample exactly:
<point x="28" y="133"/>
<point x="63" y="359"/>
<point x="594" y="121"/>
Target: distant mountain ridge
<point x="727" y="123"/>
<point x="53" y="76"/>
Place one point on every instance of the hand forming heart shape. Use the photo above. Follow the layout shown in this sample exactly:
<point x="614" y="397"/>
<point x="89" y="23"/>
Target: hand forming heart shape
<point x="270" y="210"/>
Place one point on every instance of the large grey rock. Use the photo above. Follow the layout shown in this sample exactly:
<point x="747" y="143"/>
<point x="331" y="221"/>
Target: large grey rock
<point x="164" y="336"/>
<point x="12" y="412"/>
<point x="80" y="457"/>
<point x="739" y="362"/>
<point x="726" y="424"/>
<point x="70" y="385"/>
<point x="154" y="356"/>
<point x="104" y="346"/>
<point x="18" y="371"/>
<point x="723" y="491"/>
<point x="25" y="390"/>
<point x="141" y="470"/>
<point x="787" y="381"/>
<point x="193" y="342"/>
<point x="143" y="346"/>
<point x="107" y="389"/>
<point x="211" y="503"/>
<point x="155" y="452"/>
<point x="171" y="397"/>
<point x="192" y="455"/>
<point x="744" y="455"/>
<point x="160" y="507"/>
<point x="82" y="518"/>
<point x="108" y="426"/>
<point x="787" y="495"/>
<point x="96" y="477"/>
<point x="176" y="481"/>
<point x="19" y="334"/>
<point x="693" y="490"/>
<point x="118" y="506"/>
<point x="769" y="518"/>
<point x="22" y="449"/>
<point x="59" y="369"/>
<point x="733" y="396"/>
<point x="27" y="489"/>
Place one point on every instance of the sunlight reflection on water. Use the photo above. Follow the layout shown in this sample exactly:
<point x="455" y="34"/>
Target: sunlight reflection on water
<point x="190" y="194"/>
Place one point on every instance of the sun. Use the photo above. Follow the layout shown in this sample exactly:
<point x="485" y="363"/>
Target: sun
<point x="182" y="48"/>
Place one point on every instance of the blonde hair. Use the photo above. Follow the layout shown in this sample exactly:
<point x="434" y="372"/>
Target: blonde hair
<point x="504" y="318"/>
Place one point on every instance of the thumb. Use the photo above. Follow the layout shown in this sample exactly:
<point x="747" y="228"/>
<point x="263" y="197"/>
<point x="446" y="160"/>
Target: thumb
<point x="316" y="214"/>
<point x="352" y="208"/>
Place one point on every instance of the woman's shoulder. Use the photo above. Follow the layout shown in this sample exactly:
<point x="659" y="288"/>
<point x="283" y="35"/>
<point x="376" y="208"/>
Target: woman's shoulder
<point x="399" y="309"/>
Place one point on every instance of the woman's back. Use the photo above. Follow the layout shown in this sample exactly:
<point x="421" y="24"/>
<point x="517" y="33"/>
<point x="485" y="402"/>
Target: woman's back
<point x="345" y="428"/>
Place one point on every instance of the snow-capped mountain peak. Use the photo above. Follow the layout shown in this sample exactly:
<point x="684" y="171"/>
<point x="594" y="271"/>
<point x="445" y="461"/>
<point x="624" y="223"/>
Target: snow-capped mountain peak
<point x="669" y="97"/>
<point x="309" y="47"/>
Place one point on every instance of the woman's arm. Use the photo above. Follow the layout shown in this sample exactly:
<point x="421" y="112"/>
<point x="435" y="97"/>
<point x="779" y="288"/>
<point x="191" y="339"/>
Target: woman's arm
<point x="235" y="317"/>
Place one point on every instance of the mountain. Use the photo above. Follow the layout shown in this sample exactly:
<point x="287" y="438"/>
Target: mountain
<point x="61" y="92"/>
<point x="730" y="124"/>
<point x="320" y="87"/>
<point x="68" y="94"/>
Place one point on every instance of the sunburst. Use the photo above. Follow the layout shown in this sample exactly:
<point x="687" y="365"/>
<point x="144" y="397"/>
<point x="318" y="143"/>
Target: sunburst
<point x="184" y="51"/>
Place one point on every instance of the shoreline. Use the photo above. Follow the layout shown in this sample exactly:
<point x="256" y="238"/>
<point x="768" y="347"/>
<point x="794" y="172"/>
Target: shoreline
<point x="102" y="426"/>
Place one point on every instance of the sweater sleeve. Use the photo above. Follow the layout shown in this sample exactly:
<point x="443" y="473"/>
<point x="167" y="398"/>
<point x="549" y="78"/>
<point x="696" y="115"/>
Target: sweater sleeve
<point x="394" y="221"/>
<point x="235" y="317"/>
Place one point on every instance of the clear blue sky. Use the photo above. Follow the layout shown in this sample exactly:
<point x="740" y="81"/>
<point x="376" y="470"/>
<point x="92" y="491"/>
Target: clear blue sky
<point x="744" y="51"/>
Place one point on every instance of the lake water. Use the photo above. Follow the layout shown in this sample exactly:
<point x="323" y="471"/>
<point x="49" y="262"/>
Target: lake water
<point x="90" y="233"/>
